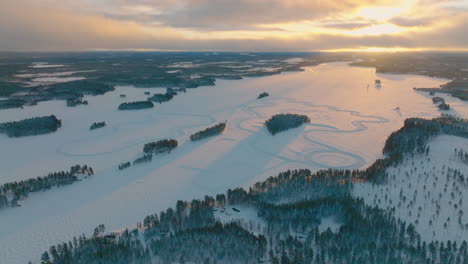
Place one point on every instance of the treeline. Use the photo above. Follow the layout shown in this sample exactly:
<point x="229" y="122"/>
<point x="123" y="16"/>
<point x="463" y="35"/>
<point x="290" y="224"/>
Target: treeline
<point x="413" y="139"/>
<point x="416" y="132"/>
<point x="97" y="125"/>
<point x="136" y="105"/>
<point x="282" y="122"/>
<point x="165" y="145"/>
<point x="12" y="192"/>
<point x="290" y="233"/>
<point x="209" y="132"/>
<point x="32" y="126"/>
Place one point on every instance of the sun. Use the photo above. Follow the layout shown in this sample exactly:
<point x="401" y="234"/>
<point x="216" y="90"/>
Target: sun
<point x="380" y="13"/>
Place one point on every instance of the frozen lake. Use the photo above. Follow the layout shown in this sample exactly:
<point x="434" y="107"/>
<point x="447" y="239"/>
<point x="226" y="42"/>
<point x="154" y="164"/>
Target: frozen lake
<point x="350" y="121"/>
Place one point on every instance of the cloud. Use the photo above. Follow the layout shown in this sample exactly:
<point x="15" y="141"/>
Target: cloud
<point x="254" y="25"/>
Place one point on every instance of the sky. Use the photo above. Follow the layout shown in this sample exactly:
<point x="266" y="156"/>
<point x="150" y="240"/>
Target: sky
<point x="233" y="25"/>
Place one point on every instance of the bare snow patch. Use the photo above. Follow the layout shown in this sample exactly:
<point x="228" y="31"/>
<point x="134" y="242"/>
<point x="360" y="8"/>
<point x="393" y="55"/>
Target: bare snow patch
<point x="329" y="222"/>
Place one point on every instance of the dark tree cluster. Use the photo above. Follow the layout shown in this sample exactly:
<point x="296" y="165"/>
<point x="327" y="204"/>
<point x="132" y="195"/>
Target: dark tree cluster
<point x="165" y="145"/>
<point x="416" y="132"/>
<point x="30" y="127"/>
<point x="136" y="105"/>
<point x="163" y="97"/>
<point x="413" y="139"/>
<point x="123" y="166"/>
<point x="209" y="132"/>
<point x="75" y="101"/>
<point x="462" y="155"/>
<point x="444" y="106"/>
<point x="143" y="159"/>
<point x="282" y="122"/>
<point x="437" y="100"/>
<point x="12" y="192"/>
<point x="262" y="95"/>
<point x="97" y="125"/>
<point x="441" y="103"/>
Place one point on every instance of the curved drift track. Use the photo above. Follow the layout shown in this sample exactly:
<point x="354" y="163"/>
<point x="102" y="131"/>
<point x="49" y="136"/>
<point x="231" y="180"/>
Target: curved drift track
<point x="340" y="135"/>
<point x="251" y="122"/>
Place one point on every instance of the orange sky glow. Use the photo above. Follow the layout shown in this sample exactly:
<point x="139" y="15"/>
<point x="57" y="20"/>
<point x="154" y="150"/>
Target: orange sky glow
<point x="241" y="25"/>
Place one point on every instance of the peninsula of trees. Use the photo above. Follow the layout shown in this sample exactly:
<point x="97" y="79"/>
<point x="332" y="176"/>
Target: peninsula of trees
<point x="136" y="105"/>
<point x="31" y="127"/>
<point x="209" y="132"/>
<point x="12" y="192"/>
<point x="282" y="122"/>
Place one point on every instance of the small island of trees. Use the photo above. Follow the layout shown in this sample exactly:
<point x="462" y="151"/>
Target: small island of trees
<point x="160" y="98"/>
<point x="264" y="94"/>
<point x="441" y="103"/>
<point x="72" y="102"/>
<point x="209" y="132"/>
<point x="12" y="192"/>
<point x="97" y="125"/>
<point x="31" y="127"/>
<point x="282" y="122"/>
<point x="124" y="165"/>
<point x="165" y="145"/>
<point x="136" y="105"/>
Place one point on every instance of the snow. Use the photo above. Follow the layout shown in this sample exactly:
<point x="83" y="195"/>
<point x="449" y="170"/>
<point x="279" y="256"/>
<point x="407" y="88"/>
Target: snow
<point x="50" y="80"/>
<point x="245" y="214"/>
<point x="349" y="125"/>
<point x="294" y="60"/>
<point x="40" y="65"/>
<point x="423" y="181"/>
<point x="329" y="222"/>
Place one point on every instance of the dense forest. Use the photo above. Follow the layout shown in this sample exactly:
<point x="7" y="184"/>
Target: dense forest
<point x="282" y="122"/>
<point x="31" y="127"/>
<point x="209" y="132"/>
<point x="12" y="192"/>
<point x="289" y="232"/>
<point x="97" y="125"/>
<point x="291" y="209"/>
<point x="136" y="105"/>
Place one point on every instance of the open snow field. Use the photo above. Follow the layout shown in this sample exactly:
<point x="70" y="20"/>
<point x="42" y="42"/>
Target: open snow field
<point x="350" y="121"/>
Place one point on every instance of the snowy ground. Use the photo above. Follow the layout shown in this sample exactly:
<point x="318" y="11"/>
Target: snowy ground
<point x="350" y="121"/>
<point x="425" y="191"/>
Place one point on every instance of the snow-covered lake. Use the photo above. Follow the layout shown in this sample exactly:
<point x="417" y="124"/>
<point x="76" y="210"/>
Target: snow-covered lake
<point x="350" y="121"/>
